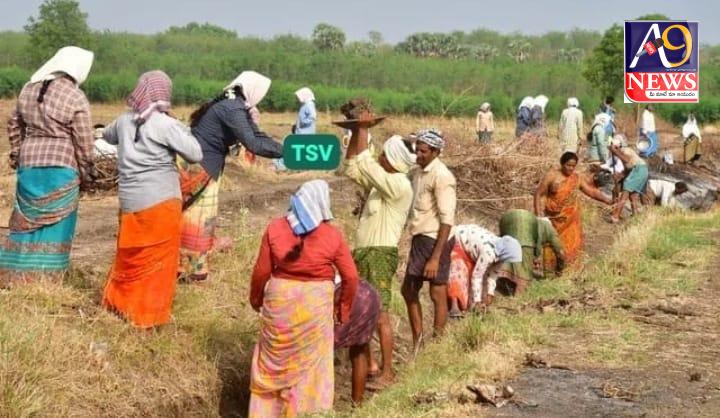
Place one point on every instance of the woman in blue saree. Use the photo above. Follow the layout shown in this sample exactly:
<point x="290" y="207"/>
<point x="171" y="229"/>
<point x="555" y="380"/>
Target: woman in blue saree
<point x="51" y="145"/>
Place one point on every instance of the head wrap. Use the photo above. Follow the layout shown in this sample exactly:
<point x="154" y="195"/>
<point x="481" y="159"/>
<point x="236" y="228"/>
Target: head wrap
<point x="432" y="137"/>
<point x="619" y="140"/>
<point x="305" y="95"/>
<point x="602" y="119"/>
<point x="398" y="154"/>
<point x="691" y="128"/>
<point x="485" y="107"/>
<point x="255" y="86"/>
<point x="527" y="101"/>
<point x="508" y="249"/>
<point x="71" y="60"/>
<point x="541" y="101"/>
<point x="152" y="93"/>
<point x="573" y="102"/>
<point x="309" y="207"/>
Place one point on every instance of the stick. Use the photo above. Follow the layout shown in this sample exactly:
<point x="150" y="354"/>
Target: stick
<point x="495" y="199"/>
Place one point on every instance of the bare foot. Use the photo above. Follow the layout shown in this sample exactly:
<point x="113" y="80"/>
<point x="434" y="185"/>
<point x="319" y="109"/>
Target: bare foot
<point x="378" y="384"/>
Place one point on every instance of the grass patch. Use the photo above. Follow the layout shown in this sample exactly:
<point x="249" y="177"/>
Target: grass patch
<point x="658" y="255"/>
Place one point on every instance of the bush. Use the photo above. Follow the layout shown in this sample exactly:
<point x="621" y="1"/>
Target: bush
<point x="12" y="80"/>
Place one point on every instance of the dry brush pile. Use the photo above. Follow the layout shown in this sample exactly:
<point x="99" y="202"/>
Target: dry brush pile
<point x="491" y="179"/>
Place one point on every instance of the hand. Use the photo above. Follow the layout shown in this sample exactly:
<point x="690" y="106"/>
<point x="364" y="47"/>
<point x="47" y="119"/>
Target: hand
<point x="537" y="263"/>
<point x="293" y="129"/>
<point x="88" y="177"/>
<point x="560" y="264"/>
<point x="13" y="163"/>
<point x="431" y="268"/>
<point x="337" y="315"/>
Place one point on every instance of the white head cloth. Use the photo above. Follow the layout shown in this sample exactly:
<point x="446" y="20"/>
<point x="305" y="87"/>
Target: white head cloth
<point x="541" y="101"/>
<point x="398" y="154"/>
<point x="255" y="86"/>
<point x="305" y="95"/>
<point x="619" y="140"/>
<point x="691" y="128"/>
<point x="573" y="102"/>
<point x="485" y="107"/>
<point x="71" y="60"/>
<point x="527" y="101"/>
<point x="601" y="119"/>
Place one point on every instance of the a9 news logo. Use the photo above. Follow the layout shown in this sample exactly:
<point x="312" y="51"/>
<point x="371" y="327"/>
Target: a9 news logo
<point x="661" y="62"/>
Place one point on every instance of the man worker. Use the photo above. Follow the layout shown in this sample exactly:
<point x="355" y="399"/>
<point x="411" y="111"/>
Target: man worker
<point x="432" y="218"/>
<point x="664" y="193"/>
<point x="381" y="224"/>
<point x="571" y="126"/>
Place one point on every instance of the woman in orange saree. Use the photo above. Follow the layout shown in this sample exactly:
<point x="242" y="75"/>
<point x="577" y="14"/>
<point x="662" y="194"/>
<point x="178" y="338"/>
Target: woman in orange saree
<point x="559" y="191"/>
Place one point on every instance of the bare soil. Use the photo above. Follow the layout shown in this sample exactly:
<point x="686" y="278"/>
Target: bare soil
<point x="680" y="379"/>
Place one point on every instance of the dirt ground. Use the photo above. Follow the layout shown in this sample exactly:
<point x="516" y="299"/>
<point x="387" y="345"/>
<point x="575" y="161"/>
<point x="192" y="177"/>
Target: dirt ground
<point x="679" y="381"/>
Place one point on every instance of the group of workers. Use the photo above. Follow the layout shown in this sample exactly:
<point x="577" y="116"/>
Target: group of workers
<point x="313" y="293"/>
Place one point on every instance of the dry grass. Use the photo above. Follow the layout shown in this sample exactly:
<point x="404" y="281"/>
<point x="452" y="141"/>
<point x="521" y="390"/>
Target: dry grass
<point x="62" y="355"/>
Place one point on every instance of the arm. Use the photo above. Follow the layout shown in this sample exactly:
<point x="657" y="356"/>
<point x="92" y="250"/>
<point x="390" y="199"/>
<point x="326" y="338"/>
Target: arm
<point x="540" y="193"/>
<point x="446" y="201"/>
<point x="616" y="151"/>
<point x="358" y="142"/>
<point x="83" y="138"/>
<point x="16" y="134"/>
<point x="593" y="192"/>
<point x="248" y="134"/>
<point x="580" y="127"/>
<point x="433" y="263"/>
<point x="552" y="238"/>
<point x="261" y="273"/>
<point x="477" y="279"/>
<point x="477" y="122"/>
<point x="180" y="140"/>
<point x="110" y="133"/>
<point x="349" y="276"/>
<point x="351" y="170"/>
<point x="375" y="176"/>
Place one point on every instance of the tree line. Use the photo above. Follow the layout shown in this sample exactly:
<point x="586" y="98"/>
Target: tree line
<point x="427" y="73"/>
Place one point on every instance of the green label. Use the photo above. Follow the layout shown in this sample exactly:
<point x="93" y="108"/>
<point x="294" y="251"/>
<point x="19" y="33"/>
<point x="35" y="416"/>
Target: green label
<point x="311" y="152"/>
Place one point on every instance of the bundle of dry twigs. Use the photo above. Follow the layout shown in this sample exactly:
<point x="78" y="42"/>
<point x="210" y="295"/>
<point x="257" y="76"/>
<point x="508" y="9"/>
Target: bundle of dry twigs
<point x="107" y="174"/>
<point x="493" y="183"/>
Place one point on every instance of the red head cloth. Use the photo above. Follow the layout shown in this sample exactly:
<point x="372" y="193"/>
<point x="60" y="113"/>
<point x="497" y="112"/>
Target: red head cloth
<point x="153" y="92"/>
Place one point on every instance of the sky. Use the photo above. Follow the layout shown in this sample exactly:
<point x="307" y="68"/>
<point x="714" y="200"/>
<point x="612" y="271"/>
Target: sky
<point x="395" y="19"/>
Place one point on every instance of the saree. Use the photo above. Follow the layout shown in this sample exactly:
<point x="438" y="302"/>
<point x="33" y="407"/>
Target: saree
<point x="461" y="267"/>
<point x="292" y="365"/>
<point x="364" y="316"/>
<point x="42" y="225"/>
<point x="691" y="149"/>
<point x="141" y="283"/>
<point x="563" y="209"/>
<point x="200" y="208"/>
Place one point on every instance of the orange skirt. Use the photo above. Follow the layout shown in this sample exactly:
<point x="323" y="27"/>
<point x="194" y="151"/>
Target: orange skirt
<point x="141" y="283"/>
<point x="461" y="268"/>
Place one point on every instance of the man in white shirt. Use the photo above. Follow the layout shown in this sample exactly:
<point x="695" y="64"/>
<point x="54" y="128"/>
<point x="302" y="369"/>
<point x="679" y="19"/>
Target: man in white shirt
<point x="664" y="193"/>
